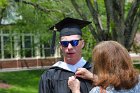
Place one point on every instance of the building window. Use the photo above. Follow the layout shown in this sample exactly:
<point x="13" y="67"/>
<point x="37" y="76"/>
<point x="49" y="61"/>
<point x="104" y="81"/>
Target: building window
<point x="45" y="48"/>
<point x="27" y="46"/>
<point x="22" y="45"/>
<point x="0" y="48"/>
<point x="6" y="46"/>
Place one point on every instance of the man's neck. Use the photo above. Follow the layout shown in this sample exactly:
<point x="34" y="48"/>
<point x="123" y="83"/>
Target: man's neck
<point x="72" y="61"/>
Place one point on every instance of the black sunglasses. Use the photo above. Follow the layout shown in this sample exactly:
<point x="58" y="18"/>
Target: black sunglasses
<point x="72" y="42"/>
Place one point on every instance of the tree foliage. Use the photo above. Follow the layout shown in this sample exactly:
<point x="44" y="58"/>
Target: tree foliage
<point x="111" y="19"/>
<point x="122" y="20"/>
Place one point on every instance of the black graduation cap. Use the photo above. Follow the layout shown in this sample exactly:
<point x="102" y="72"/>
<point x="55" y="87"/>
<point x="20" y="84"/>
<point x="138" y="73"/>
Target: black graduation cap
<point x="68" y="26"/>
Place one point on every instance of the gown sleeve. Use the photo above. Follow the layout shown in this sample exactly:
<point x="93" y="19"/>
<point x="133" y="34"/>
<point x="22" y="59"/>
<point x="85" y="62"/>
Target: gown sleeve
<point x="55" y="80"/>
<point x="45" y="83"/>
<point x="42" y="85"/>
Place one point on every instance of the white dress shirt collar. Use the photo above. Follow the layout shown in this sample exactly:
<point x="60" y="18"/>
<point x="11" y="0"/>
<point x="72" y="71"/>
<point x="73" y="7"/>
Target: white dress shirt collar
<point x="70" y="67"/>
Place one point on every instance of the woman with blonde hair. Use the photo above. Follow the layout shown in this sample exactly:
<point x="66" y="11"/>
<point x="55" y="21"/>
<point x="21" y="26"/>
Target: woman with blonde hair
<point x="113" y="71"/>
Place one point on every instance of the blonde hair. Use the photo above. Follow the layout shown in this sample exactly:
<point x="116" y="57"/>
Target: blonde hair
<point x="113" y="65"/>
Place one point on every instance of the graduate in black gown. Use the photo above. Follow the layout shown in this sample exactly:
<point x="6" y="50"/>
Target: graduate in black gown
<point x="54" y="79"/>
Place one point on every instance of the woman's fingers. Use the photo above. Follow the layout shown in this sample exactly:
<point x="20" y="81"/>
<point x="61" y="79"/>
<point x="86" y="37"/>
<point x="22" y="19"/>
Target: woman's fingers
<point x="84" y="73"/>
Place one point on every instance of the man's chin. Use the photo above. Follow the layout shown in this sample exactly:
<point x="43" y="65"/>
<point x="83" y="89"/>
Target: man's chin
<point x="69" y="58"/>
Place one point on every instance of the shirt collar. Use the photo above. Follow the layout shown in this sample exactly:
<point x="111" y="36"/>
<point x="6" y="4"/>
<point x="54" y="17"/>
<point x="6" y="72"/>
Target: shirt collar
<point x="70" y="67"/>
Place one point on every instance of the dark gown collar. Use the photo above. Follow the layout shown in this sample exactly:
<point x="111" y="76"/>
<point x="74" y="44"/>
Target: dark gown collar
<point x="88" y="66"/>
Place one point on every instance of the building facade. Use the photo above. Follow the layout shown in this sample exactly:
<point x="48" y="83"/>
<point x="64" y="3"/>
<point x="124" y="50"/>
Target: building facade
<point x="24" y="50"/>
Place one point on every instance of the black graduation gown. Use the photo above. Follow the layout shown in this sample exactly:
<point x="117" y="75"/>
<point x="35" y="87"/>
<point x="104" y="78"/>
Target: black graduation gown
<point x="55" y="80"/>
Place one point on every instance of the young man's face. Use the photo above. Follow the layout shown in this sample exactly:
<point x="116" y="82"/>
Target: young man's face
<point x="71" y="47"/>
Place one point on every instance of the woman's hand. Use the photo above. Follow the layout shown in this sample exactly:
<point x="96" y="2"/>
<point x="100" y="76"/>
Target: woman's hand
<point x="74" y="84"/>
<point x="84" y="73"/>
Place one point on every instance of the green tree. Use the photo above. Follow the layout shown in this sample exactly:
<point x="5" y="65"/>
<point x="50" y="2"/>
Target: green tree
<point x="3" y="4"/>
<point x="111" y="19"/>
<point x="122" y="19"/>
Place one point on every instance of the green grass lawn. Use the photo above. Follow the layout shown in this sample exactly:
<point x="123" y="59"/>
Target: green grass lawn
<point x="21" y="81"/>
